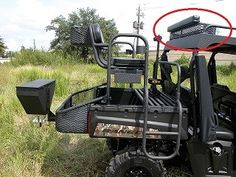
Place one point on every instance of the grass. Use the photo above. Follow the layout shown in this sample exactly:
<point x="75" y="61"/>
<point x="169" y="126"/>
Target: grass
<point x="27" y="150"/>
<point x="41" y="57"/>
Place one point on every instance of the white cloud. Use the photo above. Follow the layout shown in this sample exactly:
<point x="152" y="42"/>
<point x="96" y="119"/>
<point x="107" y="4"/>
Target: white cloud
<point x="24" y="20"/>
<point x="11" y="28"/>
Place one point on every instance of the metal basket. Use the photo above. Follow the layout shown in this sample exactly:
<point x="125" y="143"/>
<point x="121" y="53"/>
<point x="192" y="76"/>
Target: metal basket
<point x="72" y="115"/>
<point x="80" y="35"/>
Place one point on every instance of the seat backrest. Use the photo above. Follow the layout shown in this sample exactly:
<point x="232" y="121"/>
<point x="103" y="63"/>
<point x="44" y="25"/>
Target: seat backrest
<point x="224" y="99"/>
<point x="90" y="36"/>
<point x="87" y="35"/>
<point x="98" y="44"/>
<point x="97" y="33"/>
<point x="206" y="112"/>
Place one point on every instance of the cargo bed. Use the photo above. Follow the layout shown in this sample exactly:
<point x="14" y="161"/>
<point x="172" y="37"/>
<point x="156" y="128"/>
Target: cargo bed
<point x="123" y="117"/>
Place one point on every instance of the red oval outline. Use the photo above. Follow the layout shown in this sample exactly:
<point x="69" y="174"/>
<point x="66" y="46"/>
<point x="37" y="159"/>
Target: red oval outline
<point x="193" y="50"/>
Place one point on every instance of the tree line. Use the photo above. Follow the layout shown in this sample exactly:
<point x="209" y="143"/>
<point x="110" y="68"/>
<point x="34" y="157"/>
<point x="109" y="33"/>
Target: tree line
<point x="81" y="17"/>
<point x="3" y="47"/>
<point x="61" y="26"/>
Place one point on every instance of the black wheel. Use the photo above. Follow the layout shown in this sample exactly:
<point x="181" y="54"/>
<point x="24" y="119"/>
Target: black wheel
<point x="133" y="164"/>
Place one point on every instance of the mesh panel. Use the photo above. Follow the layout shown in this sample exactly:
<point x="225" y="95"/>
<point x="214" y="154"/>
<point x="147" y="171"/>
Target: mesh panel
<point x="73" y="121"/>
<point x="128" y="77"/>
<point x="192" y="29"/>
<point x="72" y="116"/>
<point x="80" y="35"/>
<point x="196" y="29"/>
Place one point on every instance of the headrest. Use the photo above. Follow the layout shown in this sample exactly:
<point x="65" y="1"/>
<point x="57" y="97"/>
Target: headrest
<point x="97" y="33"/>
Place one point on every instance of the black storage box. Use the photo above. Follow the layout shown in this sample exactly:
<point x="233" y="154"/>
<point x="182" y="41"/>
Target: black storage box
<point x="36" y="96"/>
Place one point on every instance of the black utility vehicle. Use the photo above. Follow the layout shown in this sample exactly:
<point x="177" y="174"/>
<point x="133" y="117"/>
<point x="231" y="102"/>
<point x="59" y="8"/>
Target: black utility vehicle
<point x="154" y="120"/>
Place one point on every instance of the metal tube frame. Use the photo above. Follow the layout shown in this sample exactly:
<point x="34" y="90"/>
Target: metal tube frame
<point x="128" y="43"/>
<point x="111" y="43"/>
<point x="101" y="61"/>
<point x="218" y="26"/>
<point x="178" y="133"/>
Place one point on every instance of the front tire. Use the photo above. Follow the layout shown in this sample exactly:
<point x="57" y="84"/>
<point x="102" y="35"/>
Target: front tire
<point x="134" y="164"/>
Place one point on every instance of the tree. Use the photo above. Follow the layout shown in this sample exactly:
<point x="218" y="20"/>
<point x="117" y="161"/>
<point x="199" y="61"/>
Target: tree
<point x="2" y="47"/>
<point x="80" y="17"/>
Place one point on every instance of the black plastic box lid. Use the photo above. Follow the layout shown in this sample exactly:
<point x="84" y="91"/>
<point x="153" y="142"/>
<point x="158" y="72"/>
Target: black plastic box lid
<point x="36" y="83"/>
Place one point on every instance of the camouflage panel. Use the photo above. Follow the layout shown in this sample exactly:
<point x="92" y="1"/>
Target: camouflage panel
<point x="115" y="130"/>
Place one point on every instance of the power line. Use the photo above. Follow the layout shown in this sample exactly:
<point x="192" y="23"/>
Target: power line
<point x="154" y="7"/>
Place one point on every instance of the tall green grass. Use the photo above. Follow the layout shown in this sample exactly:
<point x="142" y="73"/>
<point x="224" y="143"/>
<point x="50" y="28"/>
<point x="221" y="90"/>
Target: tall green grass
<point x="27" y="150"/>
<point x="40" y="57"/>
<point x="226" y="75"/>
<point x="227" y="69"/>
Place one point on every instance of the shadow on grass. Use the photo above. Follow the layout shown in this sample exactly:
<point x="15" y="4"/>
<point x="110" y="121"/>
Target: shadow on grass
<point x="177" y="167"/>
<point x="77" y="156"/>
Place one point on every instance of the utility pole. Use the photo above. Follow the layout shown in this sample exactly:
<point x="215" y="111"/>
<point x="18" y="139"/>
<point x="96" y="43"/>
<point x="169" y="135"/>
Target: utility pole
<point x="138" y="24"/>
<point x="138" y="14"/>
<point x="34" y="45"/>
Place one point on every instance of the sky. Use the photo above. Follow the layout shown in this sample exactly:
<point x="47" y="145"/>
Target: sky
<point x="23" y="21"/>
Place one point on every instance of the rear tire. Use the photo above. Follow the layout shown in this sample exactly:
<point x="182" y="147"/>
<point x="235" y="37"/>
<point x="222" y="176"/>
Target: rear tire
<point x="134" y="164"/>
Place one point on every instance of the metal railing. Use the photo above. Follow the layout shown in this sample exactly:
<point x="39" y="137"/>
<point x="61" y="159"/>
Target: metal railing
<point x="177" y="133"/>
<point x="111" y="43"/>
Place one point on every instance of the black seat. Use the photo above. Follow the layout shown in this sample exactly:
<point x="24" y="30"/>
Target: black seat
<point x="131" y="63"/>
<point x="209" y="128"/>
<point x="224" y="134"/>
<point x="126" y="70"/>
<point x="124" y="62"/>
<point x="224" y="99"/>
